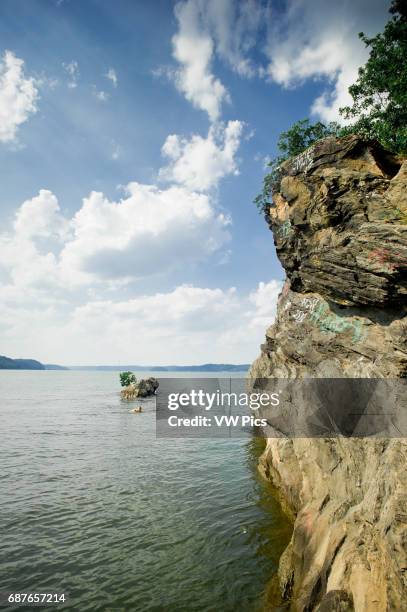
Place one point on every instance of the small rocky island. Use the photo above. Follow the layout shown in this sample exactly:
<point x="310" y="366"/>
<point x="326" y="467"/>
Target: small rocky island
<point x="133" y="389"/>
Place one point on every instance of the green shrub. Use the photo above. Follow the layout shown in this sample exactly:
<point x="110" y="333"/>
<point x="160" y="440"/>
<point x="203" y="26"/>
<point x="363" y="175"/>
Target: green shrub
<point x="127" y="378"/>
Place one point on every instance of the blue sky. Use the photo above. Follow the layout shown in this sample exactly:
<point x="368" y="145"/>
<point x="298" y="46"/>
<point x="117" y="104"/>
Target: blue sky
<point x="133" y="139"/>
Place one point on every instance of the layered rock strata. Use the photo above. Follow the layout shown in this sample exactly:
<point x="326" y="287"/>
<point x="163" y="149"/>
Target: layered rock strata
<point x="339" y="224"/>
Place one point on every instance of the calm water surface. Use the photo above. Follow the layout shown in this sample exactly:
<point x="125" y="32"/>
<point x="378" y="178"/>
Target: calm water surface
<point x="91" y="503"/>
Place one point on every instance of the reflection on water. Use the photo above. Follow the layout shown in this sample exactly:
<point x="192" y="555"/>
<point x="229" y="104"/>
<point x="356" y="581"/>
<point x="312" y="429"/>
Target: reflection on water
<point x="93" y="504"/>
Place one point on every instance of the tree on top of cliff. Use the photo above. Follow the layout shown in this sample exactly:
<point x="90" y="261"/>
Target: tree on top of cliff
<point x="294" y="141"/>
<point x="380" y="93"/>
<point x="379" y="102"/>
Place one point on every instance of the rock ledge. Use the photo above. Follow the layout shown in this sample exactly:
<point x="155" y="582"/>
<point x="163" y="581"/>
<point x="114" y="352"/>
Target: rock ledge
<point x="339" y="225"/>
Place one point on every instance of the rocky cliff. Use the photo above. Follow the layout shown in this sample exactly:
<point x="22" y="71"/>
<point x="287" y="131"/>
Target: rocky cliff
<point x="339" y="224"/>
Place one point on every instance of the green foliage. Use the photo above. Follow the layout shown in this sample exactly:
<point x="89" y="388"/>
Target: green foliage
<point x="294" y="141"/>
<point x="379" y="103"/>
<point x="127" y="378"/>
<point x="380" y="93"/>
<point x="302" y="135"/>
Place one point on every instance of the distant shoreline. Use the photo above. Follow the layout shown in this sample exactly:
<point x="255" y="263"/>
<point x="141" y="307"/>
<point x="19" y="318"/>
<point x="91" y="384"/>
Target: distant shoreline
<point x="6" y="363"/>
<point x="208" y="367"/>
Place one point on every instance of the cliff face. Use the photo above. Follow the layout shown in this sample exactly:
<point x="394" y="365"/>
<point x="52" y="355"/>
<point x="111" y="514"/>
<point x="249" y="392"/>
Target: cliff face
<point x="339" y="224"/>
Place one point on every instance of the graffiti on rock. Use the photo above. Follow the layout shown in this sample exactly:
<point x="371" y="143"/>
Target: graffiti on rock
<point x="318" y="314"/>
<point x="303" y="162"/>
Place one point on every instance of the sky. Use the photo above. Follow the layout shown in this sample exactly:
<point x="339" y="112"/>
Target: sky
<point x="134" y="137"/>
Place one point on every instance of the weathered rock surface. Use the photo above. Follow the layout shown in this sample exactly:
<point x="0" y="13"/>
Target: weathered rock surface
<point x="339" y="224"/>
<point x="143" y="388"/>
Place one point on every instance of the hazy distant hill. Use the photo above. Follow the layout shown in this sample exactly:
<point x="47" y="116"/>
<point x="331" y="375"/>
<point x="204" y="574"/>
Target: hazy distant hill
<point x="207" y="367"/>
<point x="20" y="364"/>
<point x="26" y="364"/>
<point x="31" y="364"/>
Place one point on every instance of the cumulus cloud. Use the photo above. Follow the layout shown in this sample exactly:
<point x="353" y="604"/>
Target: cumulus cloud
<point x="200" y="163"/>
<point x="313" y="39"/>
<point x="18" y="96"/>
<point x="27" y="251"/>
<point x="57" y="274"/>
<point x="40" y="216"/>
<point x="147" y="232"/>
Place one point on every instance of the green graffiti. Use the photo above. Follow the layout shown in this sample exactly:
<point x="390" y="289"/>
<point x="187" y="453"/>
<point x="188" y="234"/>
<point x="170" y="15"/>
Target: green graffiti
<point x="333" y="323"/>
<point x="284" y="230"/>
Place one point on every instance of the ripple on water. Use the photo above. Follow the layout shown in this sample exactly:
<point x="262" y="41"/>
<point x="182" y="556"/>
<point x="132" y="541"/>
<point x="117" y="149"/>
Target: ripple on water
<point x="92" y="503"/>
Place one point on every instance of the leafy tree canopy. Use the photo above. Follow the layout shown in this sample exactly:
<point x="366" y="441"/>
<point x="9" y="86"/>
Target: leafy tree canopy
<point x="294" y="141"/>
<point x="379" y="108"/>
<point x="380" y="93"/>
<point x="127" y="378"/>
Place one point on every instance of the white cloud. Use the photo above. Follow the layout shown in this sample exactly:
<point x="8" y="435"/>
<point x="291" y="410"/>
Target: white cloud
<point x="182" y="326"/>
<point x="72" y="68"/>
<point x="307" y="39"/>
<point x="313" y="39"/>
<point x="327" y="105"/>
<point x="40" y="216"/>
<point x="100" y="95"/>
<point x="148" y="232"/>
<point x="235" y="27"/>
<point x="18" y="96"/>
<point x="112" y="76"/>
<point x="207" y="28"/>
<point x="264" y="300"/>
<point x="27" y="252"/>
<point x="47" y="312"/>
<point x="329" y="56"/>
<point x="185" y="325"/>
<point x="25" y="264"/>
<point x="187" y="309"/>
<point x="193" y="49"/>
<point x="200" y="163"/>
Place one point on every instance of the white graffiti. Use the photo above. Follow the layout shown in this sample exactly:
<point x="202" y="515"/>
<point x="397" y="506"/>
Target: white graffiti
<point x="299" y="315"/>
<point x="309" y="305"/>
<point x="303" y="162"/>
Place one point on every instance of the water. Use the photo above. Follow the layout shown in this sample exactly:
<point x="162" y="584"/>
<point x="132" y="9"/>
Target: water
<point x="93" y="505"/>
